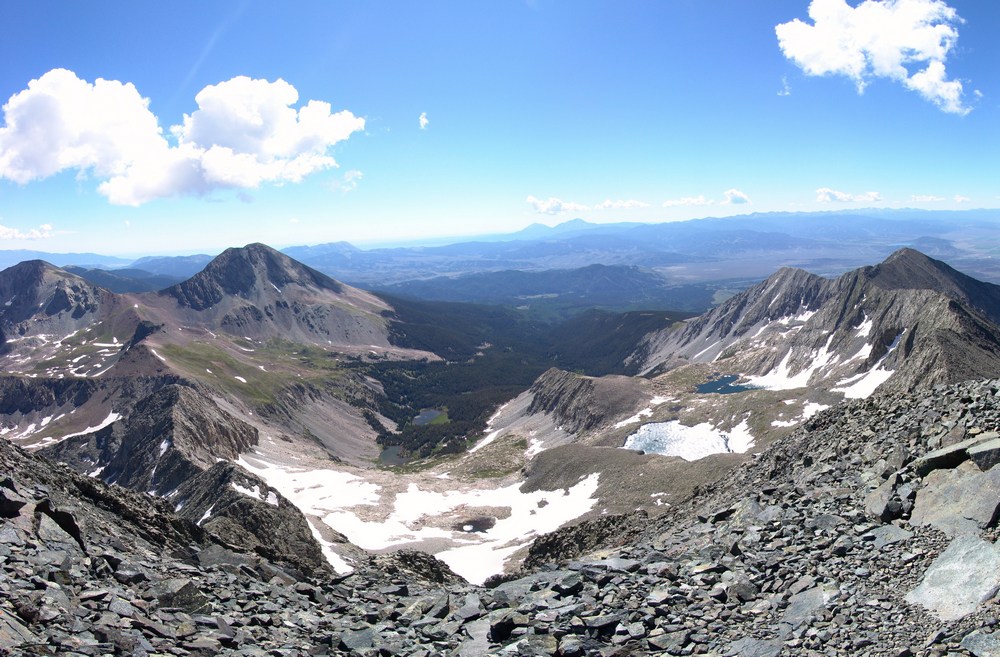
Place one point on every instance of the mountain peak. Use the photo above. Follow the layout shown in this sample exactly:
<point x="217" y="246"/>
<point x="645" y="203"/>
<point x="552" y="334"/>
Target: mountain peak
<point x="910" y="269"/>
<point x="239" y="271"/>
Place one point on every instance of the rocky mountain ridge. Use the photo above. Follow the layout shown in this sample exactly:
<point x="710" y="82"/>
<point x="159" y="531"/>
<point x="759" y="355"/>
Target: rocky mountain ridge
<point x="909" y="322"/>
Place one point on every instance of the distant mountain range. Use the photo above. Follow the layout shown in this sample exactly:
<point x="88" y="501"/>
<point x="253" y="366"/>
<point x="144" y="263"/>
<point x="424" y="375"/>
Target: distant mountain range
<point x="747" y="248"/>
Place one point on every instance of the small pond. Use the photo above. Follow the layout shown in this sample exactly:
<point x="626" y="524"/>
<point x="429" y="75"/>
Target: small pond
<point x="392" y="456"/>
<point x="426" y="416"/>
<point x="723" y="385"/>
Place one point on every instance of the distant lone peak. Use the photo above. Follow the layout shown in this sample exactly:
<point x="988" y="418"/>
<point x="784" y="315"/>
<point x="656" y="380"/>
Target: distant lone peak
<point x="911" y="269"/>
<point x="239" y="271"/>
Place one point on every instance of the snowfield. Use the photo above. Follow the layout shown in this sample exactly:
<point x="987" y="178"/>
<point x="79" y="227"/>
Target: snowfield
<point x="377" y="519"/>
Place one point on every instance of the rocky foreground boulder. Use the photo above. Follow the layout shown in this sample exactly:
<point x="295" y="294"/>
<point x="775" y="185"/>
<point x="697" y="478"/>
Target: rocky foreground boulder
<point x="869" y="531"/>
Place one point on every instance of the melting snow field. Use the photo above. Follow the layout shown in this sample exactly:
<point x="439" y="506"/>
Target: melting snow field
<point x="863" y="385"/>
<point x="690" y="443"/>
<point x="409" y="516"/>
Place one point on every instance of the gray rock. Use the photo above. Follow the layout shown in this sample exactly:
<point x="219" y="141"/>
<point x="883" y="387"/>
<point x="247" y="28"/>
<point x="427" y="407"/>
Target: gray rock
<point x="950" y="456"/>
<point x="357" y="639"/>
<point x="986" y="455"/>
<point x="960" y="579"/>
<point x="878" y="503"/>
<point x="478" y="642"/>
<point x="888" y="535"/>
<point x="13" y="633"/>
<point x="982" y="645"/>
<point x="749" y="647"/>
<point x="802" y="606"/>
<point x="958" y="501"/>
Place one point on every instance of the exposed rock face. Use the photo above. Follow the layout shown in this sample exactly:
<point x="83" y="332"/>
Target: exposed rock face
<point x="35" y="288"/>
<point x="908" y="322"/>
<point x="242" y="511"/>
<point x="260" y="293"/>
<point x="579" y="403"/>
<point x="169" y="436"/>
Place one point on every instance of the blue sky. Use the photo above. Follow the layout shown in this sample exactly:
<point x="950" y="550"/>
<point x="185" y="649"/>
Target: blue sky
<point x="223" y="123"/>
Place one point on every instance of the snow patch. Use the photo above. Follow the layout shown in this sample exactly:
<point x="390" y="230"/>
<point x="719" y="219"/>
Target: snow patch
<point x="158" y="355"/>
<point x="863" y="385"/>
<point x="493" y="435"/>
<point x="865" y="328"/>
<point x="249" y="492"/>
<point x="240" y="379"/>
<point x="112" y="417"/>
<point x="812" y="408"/>
<point x="781" y="378"/>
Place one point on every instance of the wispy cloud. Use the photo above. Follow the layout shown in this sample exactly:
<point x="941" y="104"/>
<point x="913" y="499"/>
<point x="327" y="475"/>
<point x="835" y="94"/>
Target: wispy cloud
<point x="244" y="133"/>
<point x="348" y="182"/>
<point x="926" y="198"/>
<point x="629" y="204"/>
<point x="735" y="197"/>
<point x="962" y="199"/>
<point x="42" y="232"/>
<point x="907" y="41"/>
<point x="827" y="195"/>
<point x="687" y="200"/>
<point x="553" y="205"/>
<point x="424" y="121"/>
<point x="785" y="90"/>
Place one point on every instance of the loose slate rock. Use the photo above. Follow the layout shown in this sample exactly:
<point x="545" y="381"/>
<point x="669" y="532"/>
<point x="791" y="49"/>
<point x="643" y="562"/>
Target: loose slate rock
<point x="982" y="645"/>
<point x="986" y="455"/>
<point x="960" y="579"/>
<point x="959" y="501"/>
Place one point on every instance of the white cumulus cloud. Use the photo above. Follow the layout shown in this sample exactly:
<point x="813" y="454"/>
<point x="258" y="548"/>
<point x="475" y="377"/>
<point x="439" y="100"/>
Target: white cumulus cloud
<point x="926" y="198"/>
<point x="735" y="197"/>
<point x="962" y="199"/>
<point x="424" y="121"/>
<point x="244" y="133"/>
<point x="827" y="195"/>
<point x="907" y="41"/>
<point x="8" y="233"/>
<point x="629" y="204"/>
<point x="688" y="200"/>
<point x="553" y="205"/>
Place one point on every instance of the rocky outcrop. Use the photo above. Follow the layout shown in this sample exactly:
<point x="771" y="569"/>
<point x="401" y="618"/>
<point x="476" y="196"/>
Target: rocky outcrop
<point x="169" y="436"/>
<point x="242" y="511"/>
<point x="810" y="547"/>
<point x="579" y="403"/>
